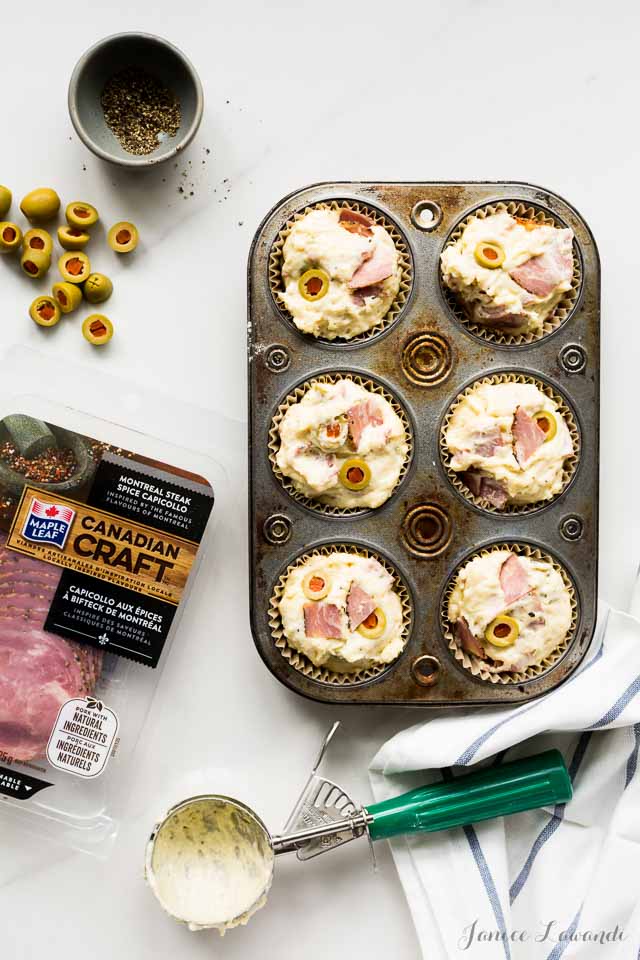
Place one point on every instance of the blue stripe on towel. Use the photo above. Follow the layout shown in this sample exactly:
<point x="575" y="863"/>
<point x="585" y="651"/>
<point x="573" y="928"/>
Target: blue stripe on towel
<point x="489" y="885"/>
<point x="623" y="701"/>
<point x="485" y="875"/>
<point x="556" y="819"/>
<point x="632" y="762"/>
<point x="560" y="947"/>
<point x="471" y="751"/>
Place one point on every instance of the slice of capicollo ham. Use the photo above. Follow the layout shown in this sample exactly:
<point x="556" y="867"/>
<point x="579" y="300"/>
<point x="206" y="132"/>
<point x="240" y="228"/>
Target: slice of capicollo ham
<point x="375" y="268"/>
<point x="360" y="605"/>
<point x="322" y="620"/>
<point x="513" y="580"/>
<point x="363" y="415"/>
<point x="527" y="436"/>
<point x="543" y="274"/>
<point x="467" y="640"/>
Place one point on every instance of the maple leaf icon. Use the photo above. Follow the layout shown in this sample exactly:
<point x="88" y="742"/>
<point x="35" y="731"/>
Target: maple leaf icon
<point x="52" y="511"/>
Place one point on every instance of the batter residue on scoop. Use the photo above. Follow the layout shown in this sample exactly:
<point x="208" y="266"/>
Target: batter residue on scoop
<point x="210" y="864"/>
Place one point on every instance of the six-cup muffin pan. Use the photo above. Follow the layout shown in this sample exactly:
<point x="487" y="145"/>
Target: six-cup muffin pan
<point x="422" y="357"/>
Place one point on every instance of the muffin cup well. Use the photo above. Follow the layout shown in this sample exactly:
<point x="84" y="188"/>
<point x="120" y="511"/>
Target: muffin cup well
<point x="276" y="261"/>
<point x="294" y="397"/>
<point x="570" y="464"/>
<point x="564" y="308"/>
<point x="334" y="671"/>
<point x="478" y="667"/>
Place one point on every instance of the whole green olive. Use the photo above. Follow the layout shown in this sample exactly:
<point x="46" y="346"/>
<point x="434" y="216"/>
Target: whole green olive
<point x="97" y="288"/>
<point x="35" y="263"/>
<point x="68" y="296"/>
<point x="41" y="204"/>
<point x="74" y="266"/>
<point x="123" y="237"/>
<point x="10" y="237"/>
<point x="37" y="239"/>
<point x="5" y="201"/>
<point x="72" y="238"/>
<point x="80" y="214"/>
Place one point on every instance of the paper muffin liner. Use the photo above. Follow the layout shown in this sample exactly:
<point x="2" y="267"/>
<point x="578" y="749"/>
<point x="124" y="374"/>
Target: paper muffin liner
<point x="477" y="666"/>
<point x="276" y="261"/>
<point x="294" y="397"/>
<point x="563" y="309"/>
<point x="570" y="464"/>
<point x="333" y="672"/>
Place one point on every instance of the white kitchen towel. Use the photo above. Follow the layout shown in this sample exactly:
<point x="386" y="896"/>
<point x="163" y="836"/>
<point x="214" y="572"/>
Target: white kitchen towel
<point x="550" y="883"/>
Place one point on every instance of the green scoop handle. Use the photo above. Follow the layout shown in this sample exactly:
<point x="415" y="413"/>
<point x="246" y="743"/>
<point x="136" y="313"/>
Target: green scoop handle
<point x="537" y="781"/>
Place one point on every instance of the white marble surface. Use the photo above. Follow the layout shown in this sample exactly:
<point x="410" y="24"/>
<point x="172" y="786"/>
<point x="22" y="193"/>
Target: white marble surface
<point x="297" y="92"/>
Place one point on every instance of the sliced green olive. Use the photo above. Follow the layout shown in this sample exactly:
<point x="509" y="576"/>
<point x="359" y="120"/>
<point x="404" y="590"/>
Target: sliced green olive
<point x="10" y="237"/>
<point x="123" y="237"/>
<point x="68" y="296"/>
<point x="72" y="238"/>
<point x="97" y="329"/>
<point x="315" y="586"/>
<point x="74" y="266"/>
<point x="374" y="625"/>
<point x="313" y="284"/>
<point x="37" y="239"/>
<point x="45" y="311"/>
<point x="35" y="263"/>
<point x="489" y="254"/>
<point x="355" y="474"/>
<point x="40" y="205"/>
<point x="81" y="214"/>
<point x="502" y="632"/>
<point x="98" y="288"/>
<point x="547" y="423"/>
<point x="5" y="201"/>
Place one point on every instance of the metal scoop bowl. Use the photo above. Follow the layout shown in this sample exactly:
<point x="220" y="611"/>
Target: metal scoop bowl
<point x="210" y="860"/>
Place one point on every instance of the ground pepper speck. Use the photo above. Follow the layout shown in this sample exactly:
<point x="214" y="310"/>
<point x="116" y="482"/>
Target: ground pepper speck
<point x="138" y="109"/>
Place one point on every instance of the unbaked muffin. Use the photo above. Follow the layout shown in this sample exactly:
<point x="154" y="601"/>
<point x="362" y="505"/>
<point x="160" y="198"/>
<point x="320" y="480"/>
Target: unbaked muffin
<point x="509" y="273"/>
<point x="509" y="442"/>
<point x="509" y="610"/>
<point x="342" y="611"/>
<point x="341" y="273"/>
<point x="342" y="445"/>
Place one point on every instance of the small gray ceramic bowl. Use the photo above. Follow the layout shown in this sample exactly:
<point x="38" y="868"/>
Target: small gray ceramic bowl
<point x="157" y="57"/>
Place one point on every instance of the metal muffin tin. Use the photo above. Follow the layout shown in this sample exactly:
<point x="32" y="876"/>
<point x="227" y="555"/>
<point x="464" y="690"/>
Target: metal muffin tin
<point x="425" y="359"/>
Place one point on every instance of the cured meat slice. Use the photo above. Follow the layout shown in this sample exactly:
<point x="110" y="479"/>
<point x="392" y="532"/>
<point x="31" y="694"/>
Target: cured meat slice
<point x="467" y="640"/>
<point x="487" y="488"/>
<point x="488" y="442"/>
<point x="527" y="435"/>
<point x="356" y="223"/>
<point x="359" y="605"/>
<point x="322" y="620"/>
<point x="363" y="415"/>
<point x="499" y="317"/>
<point x="359" y="296"/>
<point x="513" y="580"/>
<point x="39" y="671"/>
<point x="375" y="269"/>
<point x="543" y="274"/>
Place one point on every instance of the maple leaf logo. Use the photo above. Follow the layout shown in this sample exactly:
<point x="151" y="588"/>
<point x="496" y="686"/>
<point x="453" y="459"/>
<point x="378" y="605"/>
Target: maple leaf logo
<point x="52" y="511"/>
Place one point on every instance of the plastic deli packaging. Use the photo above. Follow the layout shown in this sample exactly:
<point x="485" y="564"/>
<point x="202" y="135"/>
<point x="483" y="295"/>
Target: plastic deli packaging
<point x="101" y="532"/>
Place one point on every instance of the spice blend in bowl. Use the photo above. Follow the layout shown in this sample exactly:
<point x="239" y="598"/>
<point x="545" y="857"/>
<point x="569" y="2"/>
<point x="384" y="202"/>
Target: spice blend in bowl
<point x="140" y="110"/>
<point x="135" y="100"/>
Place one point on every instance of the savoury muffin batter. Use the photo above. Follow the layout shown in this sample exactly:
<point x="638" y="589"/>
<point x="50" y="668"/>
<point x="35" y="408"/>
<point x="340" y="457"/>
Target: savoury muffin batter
<point x="510" y="442"/>
<point x="210" y="864"/>
<point x="510" y="610"/>
<point x="510" y="273"/>
<point x="342" y="445"/>
<point x="341" y="273"/>
<point x="341" y="611"/>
